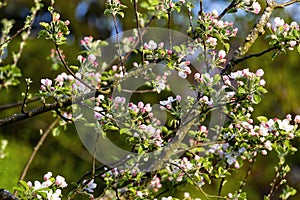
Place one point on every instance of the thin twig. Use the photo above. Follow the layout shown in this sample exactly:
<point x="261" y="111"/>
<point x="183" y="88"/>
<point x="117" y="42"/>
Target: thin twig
<point x="243" y="183"/>
<point x="169" y="28"/>
<point x="282" y="5"/>
<point x="138" y="91"/>
<point x="233" y="4"/>
<point x="21" y="29"/>
<point x="208" y="196"/>
<point x="69" y="69"/>
<point x="136" y="14"/>
<point x="34" y="112"/>
<point x="36" y="149"/>
<point x="18" y="103"/>
<point x="239" y="60"/>
<point x="94" y="157"/>
<point x="190" y="20"/>
<point x="118" y="43"/>
<point x="274" y="186"/>
<point x="200" y="8"/>
<point x="25" y="97"/>
<point x="63" y="117"/>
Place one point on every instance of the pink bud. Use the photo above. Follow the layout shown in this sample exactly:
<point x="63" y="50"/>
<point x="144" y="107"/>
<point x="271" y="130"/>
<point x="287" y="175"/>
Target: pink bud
<point x="259" y="72"/>
<point x="56" y="16"/>
<point x="293" y="43"/>
<point x="221" y="54"/>
<point x="67" y="22"/>
<point x="297" y="119"/>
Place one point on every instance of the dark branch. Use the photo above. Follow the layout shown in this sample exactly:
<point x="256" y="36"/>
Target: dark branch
<point x="34" y="112"/>
<point x="18" y="103"/>
<point x="232" y="5"/>
<point x="239" y="60"/>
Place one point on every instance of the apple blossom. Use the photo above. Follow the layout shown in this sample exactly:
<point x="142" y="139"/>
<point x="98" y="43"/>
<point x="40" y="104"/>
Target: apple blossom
<point x="221" y="54"/>
<point x="256" y="7"/>
<point x="259" y="73"/>
<point x="297" y="119"/>
<point x="278" y="21"/>
<point x="60" y="181"/>
<point x="47" y="176"/>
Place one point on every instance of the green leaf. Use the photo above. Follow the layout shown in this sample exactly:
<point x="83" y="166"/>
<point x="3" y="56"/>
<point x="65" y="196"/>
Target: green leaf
<point x="24" y="185"/>
<point x="227" y="47"/>
<point x="298" y="48"/>
<point x="273" y="42"/>
<point x="140" y="150"/>
<point x="45" y="25"/>
<point x="262" y="89"/>
<point x="55" y="131"/>
<point x="288" y="192"/>
<point x="297" y="133"/>
<point x="206" y="177"/>
<point x="106" y="12"/>
<point x="256" y="98"/>
<point x="262" y="119"/>
<point x="121" y="14"/>
<point x="217" y="78"/>
<point x="125" y="131"/>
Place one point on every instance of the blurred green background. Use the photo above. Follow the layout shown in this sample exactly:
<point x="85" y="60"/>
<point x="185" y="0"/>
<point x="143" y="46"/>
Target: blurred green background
<point x="65" y="154"/>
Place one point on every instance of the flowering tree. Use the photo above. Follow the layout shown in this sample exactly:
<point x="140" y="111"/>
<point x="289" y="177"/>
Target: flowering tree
<point x="158" y="108"/>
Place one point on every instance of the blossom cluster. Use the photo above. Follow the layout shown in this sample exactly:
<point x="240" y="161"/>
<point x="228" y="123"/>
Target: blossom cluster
<point x="60" y="88"/>
<point x="216" y="29"/>
<point x="284" y="35"/>
<point x="50" y="188"/>
<point x="56" y="30"/>
<point x="203" y="158"/>
<point x="217" y="32"/>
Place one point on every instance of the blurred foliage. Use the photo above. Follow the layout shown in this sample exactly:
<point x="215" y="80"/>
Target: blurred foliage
<point x="65" y="154"/>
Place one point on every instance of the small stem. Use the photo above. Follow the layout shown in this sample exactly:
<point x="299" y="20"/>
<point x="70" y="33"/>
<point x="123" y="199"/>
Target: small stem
<point x="233" y="4"/>
<point x="169" y="29"/>
<point x="94" y="157"/>
<point x="36" y="149"/>
<point x="118" y="42"/>
<point x="208" y="196"/>
<point x="190" y="21"/>
<point x="200" y="8"/>
<point x="136" y="14"/>
<point x="221" y="186"/>
<point x="69" y="69"/>
<point x="282" y="5"/>
<point x="274" y="187"/>
<point x="25" y="97"/>
<point x="18" y="103"/>
<point x="63" y="117"/>
<point x="247" y="174"/>
<point x="239" y="60"/>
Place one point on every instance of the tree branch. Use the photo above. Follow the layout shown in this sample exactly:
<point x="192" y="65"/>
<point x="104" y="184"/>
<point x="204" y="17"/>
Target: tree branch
<point x="231" y="5"/>
<point x="37" y="147"/>
<point x="18" y="103"/>
<point x="257" y="30"/>
<point x="239" y="60"/>
<point x="31" y="113"/>
<point x="282" y="5"/>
